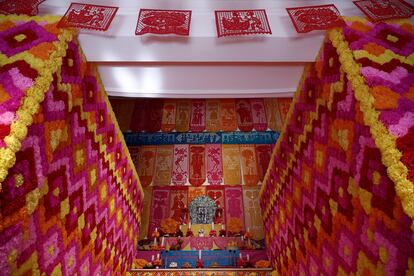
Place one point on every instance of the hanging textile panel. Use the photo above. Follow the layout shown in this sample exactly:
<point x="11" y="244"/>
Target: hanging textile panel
<point x="182" y="121"/>
<point x="214" y="164"/>
<point x="263" y="155"/>
<point x="146" y="164"/>
<point x="180" y="165"/>
<point x="154" y="118"/>
<point x="258" y="114"/>
<point x="231" y="165"/>
<point x="139" y="117"/>
<point x="213" y="115"/>
<point x="273" y="114"/>
<point x="216" y="193"/>
<point x="244" y="115"/>
<point x="252" y="211"/>
<point x="283" y="105"/>
<point x="234" y="204"/>
<point x="197" y="165"/>
<point x="163" y="165"/>
<point x="198" y="116"/>
<point x="228" y="115"/>
<point x="179" y="204"/>
<point x="160" y="207"/>
<point x="249" y="165"/>
<point x="168" y="116"/>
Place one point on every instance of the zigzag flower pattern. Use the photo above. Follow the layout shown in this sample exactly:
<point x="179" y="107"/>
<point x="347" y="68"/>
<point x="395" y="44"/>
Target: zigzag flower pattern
<point x="70" y="199"/>
<point x="338" y="194"/>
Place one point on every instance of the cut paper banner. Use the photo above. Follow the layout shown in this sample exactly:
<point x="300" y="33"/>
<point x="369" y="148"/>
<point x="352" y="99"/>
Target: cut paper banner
<point x="263" y="154"/>
<point x="198" y="116"/>
<point x="214" y="164"/>
<point x="378" y="10"/>
<point x="284" y="105"/>
<point x="146" y="164"/>
<point x="311" y="18"/>
<point x="252" y="212"/>
<point x="228" y="115"/>
<point x="213" y="115"/>
<point x="248" y="160"/>
<point x="160" y="207"/>
<point x="194" y="192"/>
<point x="179" y="204"/>
<point x="139" y="115"/>
<point x="154" y="118"/>
<point x="272" y="114"/>
<point x="241" y="22"/>
<point x="182" y="122"/>
<point x="163" y="22"/>
<point x="216" y="193"/>
<point x="180" y="165"/>
<point x="197" y="165"/>
<point x="244" y="115"/>
<point x="168" y="116"/>
<point x="28" y="7"/>
<point x="163" y="165"/>
<point x="234" y="204"/>
<point x="88" y="16"/>
<point x="231" y="165"/>
<point x="258" y="114"/>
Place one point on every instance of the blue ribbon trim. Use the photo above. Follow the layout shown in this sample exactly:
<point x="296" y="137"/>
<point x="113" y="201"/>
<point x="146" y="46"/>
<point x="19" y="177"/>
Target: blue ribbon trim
<point x="236" y="137"/>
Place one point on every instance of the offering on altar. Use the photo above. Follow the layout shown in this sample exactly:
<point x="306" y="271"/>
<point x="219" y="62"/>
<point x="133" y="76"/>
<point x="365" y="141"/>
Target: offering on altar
<point x="186" y="265"/>
<point x="232" y="245"/>
<point x="179" y="232"/>
<point x="200" y="263"/>
<point x="157" y="263"/>
<point x="215" y="265"/>
<point x="248" y="235"/>
<point x="173" y="265"/>
<point x="234" y="226"/>
<point x="201" y="233"/>
<point x="262" y="264"/>
<point x="222" y="232"/>
<point x="139" y="263"/>
<point x="155" y="234"/>
<point x="169" y="226"/>
<point x="213" y="233"/>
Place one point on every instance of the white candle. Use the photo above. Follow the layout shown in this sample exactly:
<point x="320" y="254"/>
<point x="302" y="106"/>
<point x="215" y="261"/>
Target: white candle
<point x="248" y="229"/>
<point x="163" y="241"/>
<point x="222" y="227"/>
<point x="155" y="241"/>
<point x="158" y="256"/>
<point x="240" y="255"/>
<point x="242" y="238"/>
<point x="152" y="258"/>
<point x="212" y="225"/>
<point x="179" y="227"/>
<point x="145" y="238"/>
<point x="199" y="254"/>
<point x="248" y="257"/>
<point x="156" y="229"/>
<point x="189" y="225"/>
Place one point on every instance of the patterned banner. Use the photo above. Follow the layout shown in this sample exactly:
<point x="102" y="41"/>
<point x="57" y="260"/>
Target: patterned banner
<point x="284" y="105"/>
<point x="194" y="192"/>
<point x="197" y="165"/>
<point x="234" y="203"/>
<point x="252" y="212"/>
<point x="214" y="164"/>
<point x="154" y="119"/>
<point x="182" y="121"/>
<point x="168" y="116"/>
<point x="263" y="154"/>
<point x="231" y="164"/>
<point x="146" y="164"/>
<point x="213" y="115"/>
<point x="160" y="207"/>
<point x="237" y="137"/>
<point x="139" y="116"/>
<point x="180" y="165"/>
<point x="179" y="204"/>
<point x="163" y="165"/>
<point x="248" y="158"/>
<point x="244" y="115"/>
<point x="273" y="115"/>
<point x="228" y="115"/>
<point x="198" y="113"/>
<point x="216" y="193"/>
<point x="258" y="114"/>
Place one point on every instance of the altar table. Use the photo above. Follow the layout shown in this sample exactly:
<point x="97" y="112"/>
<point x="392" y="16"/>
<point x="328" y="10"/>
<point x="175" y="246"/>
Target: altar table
<point x="224" y="258"/>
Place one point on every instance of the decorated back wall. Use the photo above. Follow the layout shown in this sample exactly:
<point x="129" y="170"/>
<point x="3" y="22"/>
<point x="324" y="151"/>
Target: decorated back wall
<point x="338" y="198"/>
<point x="70" y="196"/>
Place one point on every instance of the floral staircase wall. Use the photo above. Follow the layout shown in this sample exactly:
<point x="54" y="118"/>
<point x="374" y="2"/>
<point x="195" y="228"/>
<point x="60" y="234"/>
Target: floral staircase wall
<point x="70" y="196"/>
<point x="338" y="196"/>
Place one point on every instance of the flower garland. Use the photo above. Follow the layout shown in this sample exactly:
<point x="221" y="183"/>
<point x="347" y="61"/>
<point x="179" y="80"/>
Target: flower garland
<point x="35" y="94"/>
<point x="391" y="156"/>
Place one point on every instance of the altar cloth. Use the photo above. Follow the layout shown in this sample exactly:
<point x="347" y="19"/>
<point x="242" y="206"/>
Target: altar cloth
<point x="224" y="258"/>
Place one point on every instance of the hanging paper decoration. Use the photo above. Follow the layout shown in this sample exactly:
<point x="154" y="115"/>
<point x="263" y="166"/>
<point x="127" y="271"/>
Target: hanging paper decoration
<point x="139" y="115"/>
<point x="163" y="165"/>
<point x="216" y="193"/>
<point x="28" y="7"/>
<point x="198" y="116"/>
<point x="248" y="158"/>
<point x="182" y="121"/>
<point x="310" y="18"/>
<point x="163" y="22"/>
<point x="231" y="165"/>
<point x="378" y="10"/>
<point x="213" y="115"/>
<point x="88" y="16"/>
<point x="214" y="164"/>
<point x="244" y="115"/>
<point x="234" y="204"/>
<point x="179" y="204"/>
<point x="272" y="114"/>
<point x="228" y="115"/>
<point x="284" y="105"/>
<point x="252" y="212"/>
<point x="155" y="111"/>
<point x="168" y="116"/>
<point x="160" y="207"/>
<point x="241" y="22"/>
<point x="258" y="114"/>
<point x="194" y="192"/>
<point x="263" y="154"/>
<point x="197" y="165"/>
<point x="146" y="164"/>
<point x="180" y="165"/>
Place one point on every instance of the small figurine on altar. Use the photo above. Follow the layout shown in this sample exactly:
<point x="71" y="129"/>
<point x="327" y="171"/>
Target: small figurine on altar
<point x="201" y="232"/>
<point x="155" y="233"/>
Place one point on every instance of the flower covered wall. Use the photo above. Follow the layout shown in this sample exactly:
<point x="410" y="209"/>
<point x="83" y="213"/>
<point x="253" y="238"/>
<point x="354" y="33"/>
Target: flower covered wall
<point x="338" y="195"/>
<point x="70" y="196"/>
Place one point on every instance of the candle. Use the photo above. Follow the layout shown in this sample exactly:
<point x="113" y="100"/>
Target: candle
<point x="199" y="254"/>
<point x="146" y="237"/>
<point x="163" y="241"/>
<point x="158" y="256"/>
<point x="155" y="241"/>
<point x="189" y="225"/>
<point x="242" y="238"/>
<point x="179" y="227"/>
<point x="212" y="225"/>
<point x="152" y="258"/>
<point x="248" y="229"/>
<point x="248" y="257"/>
<point x="240" y="255"/>
<point x="222" y="227"/>
<point x="156" y="229"/>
